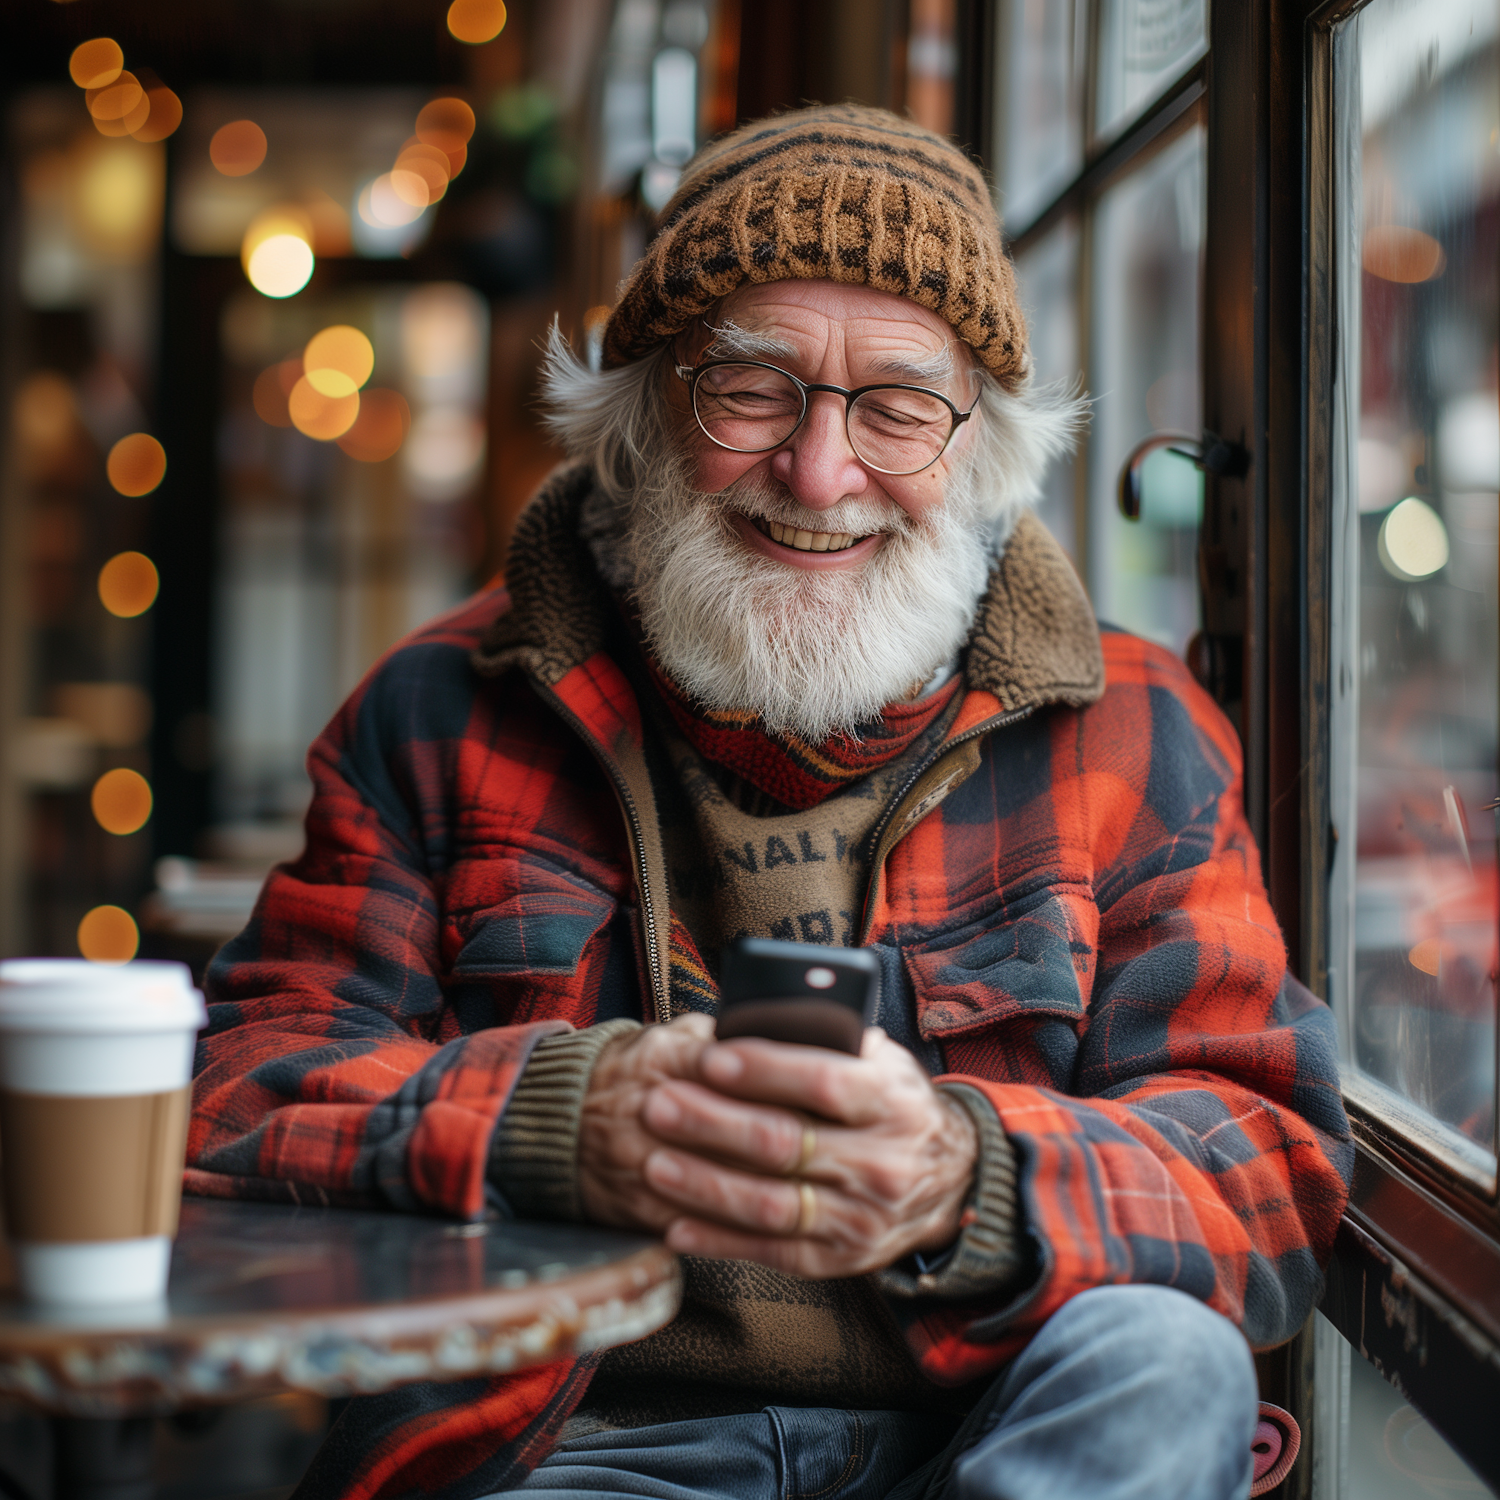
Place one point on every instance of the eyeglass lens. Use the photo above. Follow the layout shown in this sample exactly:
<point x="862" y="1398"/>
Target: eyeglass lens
<point x="752" y="409"/>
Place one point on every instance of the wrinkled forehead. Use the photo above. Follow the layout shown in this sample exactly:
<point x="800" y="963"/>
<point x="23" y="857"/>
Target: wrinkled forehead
<point x="875" y="334"/>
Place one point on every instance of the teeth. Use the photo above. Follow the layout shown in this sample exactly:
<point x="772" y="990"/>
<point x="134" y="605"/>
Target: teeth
<point x="807" y="541"/>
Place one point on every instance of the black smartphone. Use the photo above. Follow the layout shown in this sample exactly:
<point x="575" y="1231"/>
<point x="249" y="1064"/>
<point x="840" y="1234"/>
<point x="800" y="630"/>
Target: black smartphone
<point x="798" y="992"/>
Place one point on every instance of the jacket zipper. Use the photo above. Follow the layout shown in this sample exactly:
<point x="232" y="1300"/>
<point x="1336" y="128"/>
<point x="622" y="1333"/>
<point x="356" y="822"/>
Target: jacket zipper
<point x="999" y="721"/>
<point x="660" y="996"/>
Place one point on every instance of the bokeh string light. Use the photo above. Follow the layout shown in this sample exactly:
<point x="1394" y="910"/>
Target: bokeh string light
<point x="136" y="464"/>
<point x="119" y="102"/>
<point x="237" y="148"/>
<point x="448" y="124"/>
<point x="163" y="110"/>
<point x="427" y="162"/>
<point x="121" y="801"/>
<point x="338" y="361"/>
<point x="423" y="168"/>
<point x="318" y="416"/>
<point x="119" y="107"/>
<point x="97" y="63"/>
<point x="128" y="584"/>
<point x="277" y="251"/>
<point x="380" y="429"/>
<point x="108" y="935"/>
<point x="382" y="203"/>
<point x="272" y="387"/>
<point x="476" y="21"/>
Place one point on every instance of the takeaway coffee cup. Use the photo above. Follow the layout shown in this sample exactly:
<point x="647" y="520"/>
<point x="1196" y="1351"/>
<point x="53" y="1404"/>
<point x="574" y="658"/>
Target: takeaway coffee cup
<point x="96" y="1065"/>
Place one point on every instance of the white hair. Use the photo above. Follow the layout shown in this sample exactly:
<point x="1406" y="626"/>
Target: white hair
<point x="814" y="653"/>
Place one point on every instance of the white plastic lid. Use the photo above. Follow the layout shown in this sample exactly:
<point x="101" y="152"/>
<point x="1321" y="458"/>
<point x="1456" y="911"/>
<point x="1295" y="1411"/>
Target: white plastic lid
<point x="72" y="994"/>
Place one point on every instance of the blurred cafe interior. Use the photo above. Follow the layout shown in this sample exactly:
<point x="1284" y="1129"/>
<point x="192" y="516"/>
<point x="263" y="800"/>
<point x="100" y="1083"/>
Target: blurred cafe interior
<point x="273" y="278"/>
<point x="207" y="540"/>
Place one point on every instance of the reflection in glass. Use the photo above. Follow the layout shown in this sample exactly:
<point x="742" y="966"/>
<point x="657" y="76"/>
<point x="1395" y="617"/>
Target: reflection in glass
<point x="1144" y="373"/>
<point x="1419" y="611"/>
<point x="1390" y="1451"/>
<point x="1143" y="46"/>
<point x="1047" y="273"/>
<point x="1039" y="119"/>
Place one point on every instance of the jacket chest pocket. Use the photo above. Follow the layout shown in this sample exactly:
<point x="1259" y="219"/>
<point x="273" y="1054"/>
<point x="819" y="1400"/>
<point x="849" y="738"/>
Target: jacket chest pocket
<point x="1006" y="996"/>
<point x="528" y="954"/>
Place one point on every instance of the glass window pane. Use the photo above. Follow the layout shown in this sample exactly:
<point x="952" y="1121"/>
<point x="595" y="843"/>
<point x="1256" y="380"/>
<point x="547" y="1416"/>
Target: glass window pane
<point x="1145" y="376"/>
<point x="1047" y="271"/>
<point x="1381" y="1447"/>
<point x="1416" y="81"/>
<point x="1143" y="46"/>
<point x="1040" y="119"/>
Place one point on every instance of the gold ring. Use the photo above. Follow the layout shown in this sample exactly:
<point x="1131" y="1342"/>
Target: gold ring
<point x="807" y="1206"/>
<point x="809" y="1145"/>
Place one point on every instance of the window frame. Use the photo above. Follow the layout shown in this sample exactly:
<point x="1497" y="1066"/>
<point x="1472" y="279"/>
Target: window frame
<point x="1106" y="160"/>
<point x="1414" y="1280"/>
<point x="1414" y="1283"/>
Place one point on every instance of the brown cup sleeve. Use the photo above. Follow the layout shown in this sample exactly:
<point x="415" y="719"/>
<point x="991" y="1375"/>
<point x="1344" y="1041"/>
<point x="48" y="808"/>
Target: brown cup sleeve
<point x="92" y="1168"/>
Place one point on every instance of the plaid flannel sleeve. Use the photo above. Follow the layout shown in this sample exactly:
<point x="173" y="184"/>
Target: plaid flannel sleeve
<point x="1190" y="1132"/>
<point x="331" y="1070"/>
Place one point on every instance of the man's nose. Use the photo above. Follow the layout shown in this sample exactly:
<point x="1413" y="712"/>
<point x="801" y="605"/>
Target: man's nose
<point x="816" y="463"/>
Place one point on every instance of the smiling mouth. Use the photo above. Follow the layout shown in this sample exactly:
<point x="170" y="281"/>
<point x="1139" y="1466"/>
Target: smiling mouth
<point x="805" y="541"/>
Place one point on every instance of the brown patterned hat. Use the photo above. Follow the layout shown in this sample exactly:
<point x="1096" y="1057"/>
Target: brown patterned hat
<point x="837" y="193"/>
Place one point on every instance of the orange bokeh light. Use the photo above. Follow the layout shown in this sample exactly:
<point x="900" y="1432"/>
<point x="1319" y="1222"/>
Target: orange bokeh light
<point x="476" y="21"/>
<point x="136" y="464"/>
<point x="409" y="187"/>
<point x="121" y="801"/>
<point x="447" y="124"/>
<point x="381" y="427"/>
<point x="128" y="584"/>
<point x="96" y="63"/>
<point x="238" y="148"/>
<point x="1396" y="252"/>
<point x="127" y="124"/>
<point x="318" y="416"/>
<point x="108" y="935"/>
<point x="338" y="360"/>
<point x="272" y="387"/>
<point x="430" y="163"/>
<point x="163" y="115"/>
<point x="116" y="99"/>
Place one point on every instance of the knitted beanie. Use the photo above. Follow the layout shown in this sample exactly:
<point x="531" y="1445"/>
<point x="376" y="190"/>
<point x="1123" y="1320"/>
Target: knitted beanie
<point x="837" y="193"/>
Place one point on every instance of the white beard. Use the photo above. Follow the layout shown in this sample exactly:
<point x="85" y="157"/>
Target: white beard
<point x="814" y="653"/>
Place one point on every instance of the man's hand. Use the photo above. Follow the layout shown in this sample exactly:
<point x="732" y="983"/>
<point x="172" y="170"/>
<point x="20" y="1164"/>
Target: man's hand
<point x="613" y="1142"/>
<point x="890" y="1170"/>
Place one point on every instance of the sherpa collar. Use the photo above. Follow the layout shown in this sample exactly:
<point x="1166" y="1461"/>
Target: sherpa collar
<point x="1034" y="642"/>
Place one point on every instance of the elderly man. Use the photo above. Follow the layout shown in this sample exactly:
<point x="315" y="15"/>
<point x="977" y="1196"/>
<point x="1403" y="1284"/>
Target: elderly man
<point x="784" y="654"/>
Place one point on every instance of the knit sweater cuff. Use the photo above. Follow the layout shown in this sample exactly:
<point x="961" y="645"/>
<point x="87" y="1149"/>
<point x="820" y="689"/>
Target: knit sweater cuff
<point x="986" y="1258"/>
<point x="534" y="1151"/>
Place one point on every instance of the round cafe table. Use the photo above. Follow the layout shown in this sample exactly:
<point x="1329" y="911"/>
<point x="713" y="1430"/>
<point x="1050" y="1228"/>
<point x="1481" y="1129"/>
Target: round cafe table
<point x="266" y="1298"/>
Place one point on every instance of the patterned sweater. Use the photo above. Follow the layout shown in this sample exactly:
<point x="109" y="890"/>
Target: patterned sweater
<point x="1066" y="902"/>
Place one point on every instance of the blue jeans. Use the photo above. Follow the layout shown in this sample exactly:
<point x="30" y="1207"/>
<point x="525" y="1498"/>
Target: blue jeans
<point x="1127" y="1393"/>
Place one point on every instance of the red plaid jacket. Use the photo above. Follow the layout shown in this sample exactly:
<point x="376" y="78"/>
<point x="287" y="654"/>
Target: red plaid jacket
<point x="1078" y="928"/>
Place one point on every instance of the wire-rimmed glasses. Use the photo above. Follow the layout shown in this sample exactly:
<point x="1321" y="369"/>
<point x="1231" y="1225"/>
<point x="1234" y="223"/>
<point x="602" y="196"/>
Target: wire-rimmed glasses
<point x="750" y="407"/>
